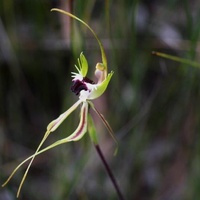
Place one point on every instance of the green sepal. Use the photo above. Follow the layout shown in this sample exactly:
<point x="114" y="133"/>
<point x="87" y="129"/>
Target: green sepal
<point x="101" y="87"/>
<point x="104" y="59"/>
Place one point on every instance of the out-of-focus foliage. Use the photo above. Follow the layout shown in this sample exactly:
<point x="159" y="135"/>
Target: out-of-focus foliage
<point x="152" y="103"/>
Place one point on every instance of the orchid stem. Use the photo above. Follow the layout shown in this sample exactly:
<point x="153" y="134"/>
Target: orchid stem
<point x="109" y="171"/>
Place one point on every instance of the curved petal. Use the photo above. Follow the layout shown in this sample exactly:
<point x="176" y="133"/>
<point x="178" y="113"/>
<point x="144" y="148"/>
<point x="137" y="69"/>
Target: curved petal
<point x="56" y="123"/>
<point x="82" y="127"/>
<point x="100" y="88"/>
<point x="103" y="55"/>
<point x="76" y="135"/>
<point x="50" y="128"/>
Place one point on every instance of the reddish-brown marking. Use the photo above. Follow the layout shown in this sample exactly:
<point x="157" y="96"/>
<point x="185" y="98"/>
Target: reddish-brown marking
<point x="82" y="125"/>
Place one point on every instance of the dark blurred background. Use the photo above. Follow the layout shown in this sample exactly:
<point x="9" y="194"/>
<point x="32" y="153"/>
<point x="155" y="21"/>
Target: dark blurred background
<point x="151" y="103"/>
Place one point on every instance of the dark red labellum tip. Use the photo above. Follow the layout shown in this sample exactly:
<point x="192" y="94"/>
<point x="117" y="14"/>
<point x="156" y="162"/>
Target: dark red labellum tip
<point x="87" y="80"/>
<point x="78" y="86"/>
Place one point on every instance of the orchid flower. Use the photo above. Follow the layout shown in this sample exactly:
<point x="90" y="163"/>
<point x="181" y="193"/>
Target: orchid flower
<point x="87" y="90"/>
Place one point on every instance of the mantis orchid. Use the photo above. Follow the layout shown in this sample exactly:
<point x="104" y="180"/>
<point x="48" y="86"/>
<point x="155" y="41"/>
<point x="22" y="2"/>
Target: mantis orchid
<point x="87" y="91"/>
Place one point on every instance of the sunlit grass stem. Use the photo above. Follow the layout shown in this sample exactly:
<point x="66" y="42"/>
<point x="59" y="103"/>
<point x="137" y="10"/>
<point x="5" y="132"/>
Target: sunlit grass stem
<point x="177" y="59"/>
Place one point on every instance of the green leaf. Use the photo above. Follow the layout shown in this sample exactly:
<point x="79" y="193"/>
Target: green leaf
<point x="92" y="130"/>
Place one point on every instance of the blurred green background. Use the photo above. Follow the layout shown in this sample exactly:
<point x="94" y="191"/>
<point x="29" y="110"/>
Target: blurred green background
<point x="151" y="103"/>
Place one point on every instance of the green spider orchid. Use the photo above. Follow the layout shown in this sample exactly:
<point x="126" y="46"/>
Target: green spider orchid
<point x="87" y="91"/>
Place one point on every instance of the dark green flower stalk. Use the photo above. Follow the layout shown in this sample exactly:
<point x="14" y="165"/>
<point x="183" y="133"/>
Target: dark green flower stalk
<point x="87" y="91"/>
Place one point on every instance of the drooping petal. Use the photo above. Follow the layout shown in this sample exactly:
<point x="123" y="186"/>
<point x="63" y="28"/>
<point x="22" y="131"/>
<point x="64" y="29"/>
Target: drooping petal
<point x="50" y="128"/>
<point x="76" y="135"/>
<point x="82" y="127"/>
<point x="100" y="88"/>
<point x="56" y="123"/>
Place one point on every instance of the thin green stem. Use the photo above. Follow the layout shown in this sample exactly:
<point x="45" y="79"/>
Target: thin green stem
<point x="109" y="171"/>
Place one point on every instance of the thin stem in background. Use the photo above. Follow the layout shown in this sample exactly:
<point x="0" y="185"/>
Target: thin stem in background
<point x="109" y="171"/>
